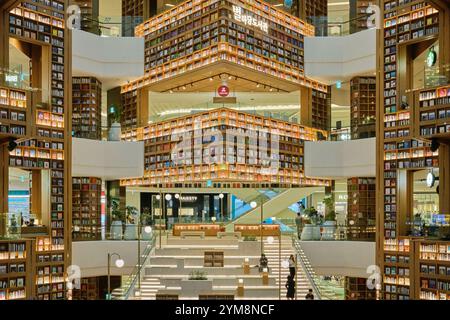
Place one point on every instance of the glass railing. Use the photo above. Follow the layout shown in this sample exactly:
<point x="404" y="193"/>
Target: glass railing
<point x="10" y="226"/>
<point x="327" y="231"/>
<point x="321" y="288"/>
<point x="131" y="284"/>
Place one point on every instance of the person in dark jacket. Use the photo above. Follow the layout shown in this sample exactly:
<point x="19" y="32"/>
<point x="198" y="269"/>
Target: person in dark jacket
<point x="290" y="286"/>
<point x="309" y="295"/>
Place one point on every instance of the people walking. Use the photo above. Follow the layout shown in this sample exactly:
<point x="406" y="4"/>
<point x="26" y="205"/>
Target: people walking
<point x="263" y="263"/>
<point x="299" y="223"/>
<point x="290" y="286"/>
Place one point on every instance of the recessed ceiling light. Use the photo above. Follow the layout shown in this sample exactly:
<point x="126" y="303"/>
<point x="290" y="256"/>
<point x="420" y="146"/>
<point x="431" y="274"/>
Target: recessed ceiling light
<point x="184" y="87"/>
<point x="211" y="79"/>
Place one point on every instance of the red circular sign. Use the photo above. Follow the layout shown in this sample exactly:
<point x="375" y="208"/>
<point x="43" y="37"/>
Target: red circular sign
<point x="223" y="91"/>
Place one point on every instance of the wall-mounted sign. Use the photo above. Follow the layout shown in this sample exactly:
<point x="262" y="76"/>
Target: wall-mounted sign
<point x="11" y="78"/>
<point x="249" y="20"/>
<point x="431" y="57"/>
<point x="223" y="91"/>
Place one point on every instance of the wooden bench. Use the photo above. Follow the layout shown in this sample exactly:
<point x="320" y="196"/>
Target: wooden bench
<point x="184" y="234"/>
<point x="222" y="234"/>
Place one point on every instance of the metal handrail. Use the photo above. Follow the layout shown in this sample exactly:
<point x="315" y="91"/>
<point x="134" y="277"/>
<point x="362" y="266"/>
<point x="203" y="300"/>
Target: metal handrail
<point x="130" y="284"/>
<point x="309" y="271"/>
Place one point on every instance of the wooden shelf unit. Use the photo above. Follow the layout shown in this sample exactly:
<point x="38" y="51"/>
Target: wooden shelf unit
<point x="210" y="230"/>
<point x="89" y="15"/>
<point x="358" y="14"/>
<point x="356" y="289"/>
<point x="86" y="208"/>
<point x="433" y="269"/>
<point x="165" y="162"/>
<point x="361" y="208"/>
<point x="321" y="109"/>
<point x="86" y="108"/>
<point x="89" y="289"/>
<point x="314" y="9"/>
<point x="213" y="259"/>
<point x="204" y="33"/>
<point x="433" y="113"/>
<point x="134" y="12"/>
<point x="15" y="113"/>
<point x="255" y="229"/>
<point x="15" y="271"/>
<point x="42" y="23"/>
<point x="362" y="107"/>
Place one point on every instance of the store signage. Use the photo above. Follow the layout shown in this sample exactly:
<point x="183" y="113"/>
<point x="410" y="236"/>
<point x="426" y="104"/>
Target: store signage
<point x="249" y="20"/>
<point x="11" y="78"/>
<point x="188" y="198"/>
<point x="223" y="91"/>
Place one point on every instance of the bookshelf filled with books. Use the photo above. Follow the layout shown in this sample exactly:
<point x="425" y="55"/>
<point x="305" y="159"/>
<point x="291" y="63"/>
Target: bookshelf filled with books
<point x="170" y="163"/>
<point x="41" y="25"/>
<point x="407" y="26"/>
<point x="86" y="107"/>
<point x="363" y="107"/>
<point x="361" y="209"/>
<point x="86" y="208"/>
<point x="433" y="113"/>
<point x="14" y="113"/>
<point x="15" y="275"/>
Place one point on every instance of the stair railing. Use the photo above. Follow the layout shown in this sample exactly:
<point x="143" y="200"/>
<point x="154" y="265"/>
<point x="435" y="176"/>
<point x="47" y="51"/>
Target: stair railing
<point x="313" y="279"/>
<point x="128" y="287"/>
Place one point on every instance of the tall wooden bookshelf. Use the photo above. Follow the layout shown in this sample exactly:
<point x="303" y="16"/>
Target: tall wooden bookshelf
<point x="89" y="15"/>
<point x="314" y="11"/>
<point x="15" y="113"/>
<point x="363" y="107"/>
<point x="359" y="15"/>
<point x="86" y="107"/>
<point x="361" y="209"/>
<point x="41" y="25"/>
<point x="166" y="162"/>
<point x="321" y="109"/>
<point x="89" y="289"/>
<point x="356" y="289"/>
<point x="407" y="26"/>
<point x="86" y="208"/>
<point x="15" y="269"/>
<point x="134" y="12"/>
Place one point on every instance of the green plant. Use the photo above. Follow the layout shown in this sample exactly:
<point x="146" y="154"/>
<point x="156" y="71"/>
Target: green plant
<point x="117" y="214"/>
<point x="132" y="213"/>
<point x="198" y="275"/>
<point x="249" y="238"/>
<point x="146" y="217"/>
<point x="330" y="213"/>
<point x="312" y="215"/>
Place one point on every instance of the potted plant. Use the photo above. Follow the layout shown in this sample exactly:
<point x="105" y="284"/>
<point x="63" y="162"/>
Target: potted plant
<point x="118" y="219"/>
<point x="198" y="275"/>
<point x="329" y="226"/>
<point x="146" y="221"/>
<point x="131" y="226"/>
<point x="115" y="132"/>
<point x="311" y="230"/>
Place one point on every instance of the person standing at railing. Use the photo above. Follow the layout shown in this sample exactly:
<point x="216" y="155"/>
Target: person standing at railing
<point x="299" y="223"/>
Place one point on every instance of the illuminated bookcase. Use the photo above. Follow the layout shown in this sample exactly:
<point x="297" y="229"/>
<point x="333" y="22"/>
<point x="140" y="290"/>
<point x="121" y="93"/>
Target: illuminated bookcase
<point x="434" y="270"/>
<point x="363" y="107"/>
<point x="433" y="114"/>
<point x="86" y="107"/>
<point x="42" y="23"/>
<point x="164" y="164"/>
<point x="15" y="273"/>
<point x="14" y="113"/>
<point x="361" y="209"/>
<point x="86" y="208"/>
<point x="404" y="23"/>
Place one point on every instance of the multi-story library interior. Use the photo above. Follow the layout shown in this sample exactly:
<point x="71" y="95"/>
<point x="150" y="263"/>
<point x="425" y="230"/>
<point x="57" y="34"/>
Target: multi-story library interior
<point x="224" y="150"/>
